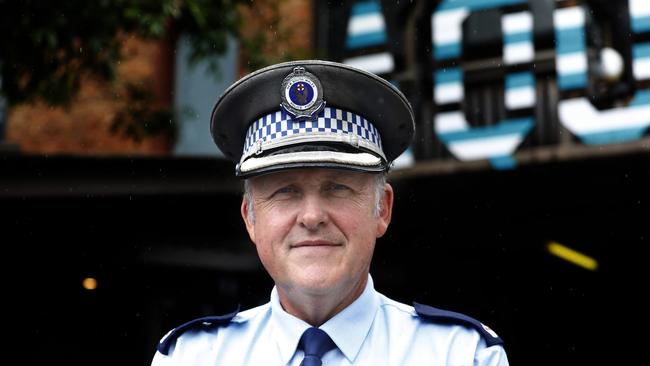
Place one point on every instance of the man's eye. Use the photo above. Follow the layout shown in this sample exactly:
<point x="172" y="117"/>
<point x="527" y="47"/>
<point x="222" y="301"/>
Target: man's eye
<point x="338" y="187"/>
<point x="288" y="189"/>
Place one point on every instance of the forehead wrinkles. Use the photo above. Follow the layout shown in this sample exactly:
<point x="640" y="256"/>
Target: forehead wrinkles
<point x="316" y="179"/>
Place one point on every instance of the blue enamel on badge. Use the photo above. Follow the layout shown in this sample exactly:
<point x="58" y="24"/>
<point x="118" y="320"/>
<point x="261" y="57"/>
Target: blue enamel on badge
<point x="302" y="94"/>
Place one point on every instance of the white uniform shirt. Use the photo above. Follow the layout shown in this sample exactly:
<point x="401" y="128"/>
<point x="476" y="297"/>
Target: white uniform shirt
<point x="373" y="330"/>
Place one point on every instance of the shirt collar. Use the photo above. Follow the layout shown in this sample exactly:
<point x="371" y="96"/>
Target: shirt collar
<point x="348" y="329"/>
<point x="286" y="328"/>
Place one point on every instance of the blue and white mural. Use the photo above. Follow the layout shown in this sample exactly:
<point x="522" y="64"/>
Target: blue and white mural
<point x="576" y="64"/>
<point x="499" y="141"/>
<point x="577" y="114"/>
<point x="367" y="39"/>
<point x="367" y="29"/>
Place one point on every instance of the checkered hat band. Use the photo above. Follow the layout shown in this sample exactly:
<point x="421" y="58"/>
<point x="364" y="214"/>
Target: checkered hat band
<point x="330" y="125"/>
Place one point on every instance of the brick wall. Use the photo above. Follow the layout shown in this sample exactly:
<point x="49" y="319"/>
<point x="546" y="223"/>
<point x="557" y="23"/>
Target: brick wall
<point x="271" y="31"/>
<point x="84" y="127"/>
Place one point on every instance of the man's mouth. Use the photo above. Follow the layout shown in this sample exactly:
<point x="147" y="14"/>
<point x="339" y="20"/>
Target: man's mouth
<point x="314" y="244"/>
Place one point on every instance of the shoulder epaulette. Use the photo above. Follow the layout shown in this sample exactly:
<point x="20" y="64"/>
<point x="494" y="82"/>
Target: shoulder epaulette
<point x="205" y="322"/>
<point x="438" y="315"/>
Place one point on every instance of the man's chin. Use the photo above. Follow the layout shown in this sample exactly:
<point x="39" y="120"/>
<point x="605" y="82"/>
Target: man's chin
<point x="317" y="282"/>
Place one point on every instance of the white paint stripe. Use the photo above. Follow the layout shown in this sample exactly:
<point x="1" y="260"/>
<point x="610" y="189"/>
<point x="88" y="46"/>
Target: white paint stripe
<point x="580" y="117"/>
<point x="571" y="63"/>
<point x="446" y="26"/>
<point x="450" y="122"/>
<point x="449" y="93"/>
<point x="641" y="68"/>
<point x="379" y="63"/>
<point x="519" y="52"/>
<point x="517" y="22"/>
<point x="367" y="23"/>
<point x="572" y="17"/>
<point x="520" y="98"/>
<point x="485" y="147"/>
<point x="639" y="8"/>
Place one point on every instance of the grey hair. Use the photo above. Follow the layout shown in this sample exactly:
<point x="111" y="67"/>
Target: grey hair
<point x="380" y="191"/>
<point x="248" y="197"/>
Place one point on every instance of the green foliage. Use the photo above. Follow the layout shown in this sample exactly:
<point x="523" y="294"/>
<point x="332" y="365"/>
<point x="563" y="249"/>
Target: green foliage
<point x="47" y="45"/>
<point x="140" y="118"/>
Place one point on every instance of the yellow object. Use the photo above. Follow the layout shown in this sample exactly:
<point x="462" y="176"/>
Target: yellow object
<point x="572" y="256"/>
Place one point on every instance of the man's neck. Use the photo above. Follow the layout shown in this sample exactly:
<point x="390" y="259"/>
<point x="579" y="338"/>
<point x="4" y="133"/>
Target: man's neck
<point x="318" y="309"/>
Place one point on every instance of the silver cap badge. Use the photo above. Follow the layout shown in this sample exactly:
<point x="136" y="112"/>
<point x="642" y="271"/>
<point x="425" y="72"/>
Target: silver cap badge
<point x="302" y="94"/>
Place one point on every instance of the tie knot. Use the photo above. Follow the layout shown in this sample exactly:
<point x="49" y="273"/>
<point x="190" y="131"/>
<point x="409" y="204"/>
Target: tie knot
<point x="315" y="342"/>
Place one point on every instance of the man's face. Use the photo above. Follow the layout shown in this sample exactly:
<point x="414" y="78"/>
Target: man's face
<point x="315" y="229"/>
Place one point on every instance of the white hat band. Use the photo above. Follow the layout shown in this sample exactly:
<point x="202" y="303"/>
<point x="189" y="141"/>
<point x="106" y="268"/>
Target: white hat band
<point x="306" y="157"/>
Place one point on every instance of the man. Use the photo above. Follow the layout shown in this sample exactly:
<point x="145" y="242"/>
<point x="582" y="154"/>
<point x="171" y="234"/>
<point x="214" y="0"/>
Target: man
<point x="317" y="139"/>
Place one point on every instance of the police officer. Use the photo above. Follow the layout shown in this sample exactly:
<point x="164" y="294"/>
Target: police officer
<point x="313" y="141"/>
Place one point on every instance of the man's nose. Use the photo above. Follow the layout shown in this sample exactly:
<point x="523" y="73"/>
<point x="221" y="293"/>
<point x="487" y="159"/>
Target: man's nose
<point x="313" y="213"/>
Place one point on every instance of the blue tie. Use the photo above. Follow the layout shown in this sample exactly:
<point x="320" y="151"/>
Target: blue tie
<point x="315" y="343"/>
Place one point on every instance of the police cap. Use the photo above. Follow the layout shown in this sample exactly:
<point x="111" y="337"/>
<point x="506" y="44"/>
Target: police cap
<point x="311" y="114"/>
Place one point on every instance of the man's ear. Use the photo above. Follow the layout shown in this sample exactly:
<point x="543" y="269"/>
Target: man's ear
<point x="385" y="210"/>
<point x="250" y="225"/>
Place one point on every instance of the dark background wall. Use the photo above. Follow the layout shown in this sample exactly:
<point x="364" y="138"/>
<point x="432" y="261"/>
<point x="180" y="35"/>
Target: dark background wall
<point x="164" y="239"/>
